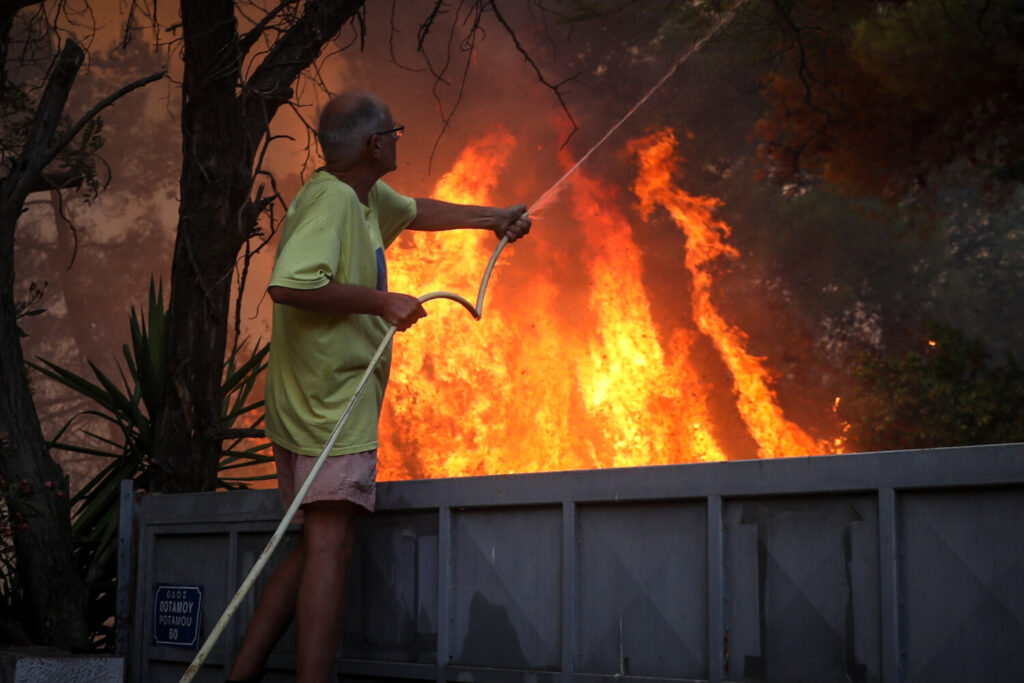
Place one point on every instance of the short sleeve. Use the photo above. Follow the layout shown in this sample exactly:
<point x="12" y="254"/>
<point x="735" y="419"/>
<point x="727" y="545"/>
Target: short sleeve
<point x="309" y="254"/>
<point x="395" y="211"/>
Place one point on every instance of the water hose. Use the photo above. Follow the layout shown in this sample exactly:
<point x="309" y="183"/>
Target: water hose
<point x="476" y="311"/>
<point x="275" y="540"/>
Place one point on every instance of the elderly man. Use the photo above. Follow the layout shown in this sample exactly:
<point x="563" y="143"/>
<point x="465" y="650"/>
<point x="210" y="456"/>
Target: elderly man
<point x="332" y="308"/>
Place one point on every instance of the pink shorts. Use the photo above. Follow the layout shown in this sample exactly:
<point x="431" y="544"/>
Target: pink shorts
<point x="351" y="477"/>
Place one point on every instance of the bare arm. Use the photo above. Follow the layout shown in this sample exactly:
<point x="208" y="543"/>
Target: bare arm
<point x="400" y="310"/>
<point x="433" y="214"/>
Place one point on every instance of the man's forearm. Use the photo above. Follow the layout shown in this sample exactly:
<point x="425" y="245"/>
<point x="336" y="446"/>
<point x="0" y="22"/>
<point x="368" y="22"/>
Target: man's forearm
<point x="433" y="214"/>
<point x="400" y="310"/>
<point x="334" y="297"/>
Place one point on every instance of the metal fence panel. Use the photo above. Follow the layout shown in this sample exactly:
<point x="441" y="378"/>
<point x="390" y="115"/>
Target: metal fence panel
<point x="803" y="598"/>
<point x="506" y="578"/>
<point x="888" y="567"/>
<point x="393" y="615"/>
<point x="962" y="567"/>
<point x="648" y="563"/>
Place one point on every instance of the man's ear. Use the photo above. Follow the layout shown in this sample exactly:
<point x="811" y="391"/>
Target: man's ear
<point x="373" y="145"/>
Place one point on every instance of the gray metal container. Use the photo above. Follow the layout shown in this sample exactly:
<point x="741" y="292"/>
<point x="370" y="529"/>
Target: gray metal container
<point x="900" y="566"/>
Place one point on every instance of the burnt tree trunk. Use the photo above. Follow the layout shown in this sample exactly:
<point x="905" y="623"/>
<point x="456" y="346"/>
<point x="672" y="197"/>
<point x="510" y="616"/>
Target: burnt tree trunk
<point x="225" y="118"/>
<point x="36" y="487"/>
<point x="215" y="181"/>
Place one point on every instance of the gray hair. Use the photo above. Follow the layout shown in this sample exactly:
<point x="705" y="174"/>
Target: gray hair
<point x="346" y="125"/>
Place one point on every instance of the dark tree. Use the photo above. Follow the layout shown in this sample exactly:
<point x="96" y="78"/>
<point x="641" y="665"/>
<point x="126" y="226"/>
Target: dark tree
<point x="226" y="117"/>
<point x="35" y="488"/>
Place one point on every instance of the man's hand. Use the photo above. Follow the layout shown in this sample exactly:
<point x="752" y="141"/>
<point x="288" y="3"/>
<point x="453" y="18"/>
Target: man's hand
<point x="401" y="310"/>
<point x="513" y="222"/>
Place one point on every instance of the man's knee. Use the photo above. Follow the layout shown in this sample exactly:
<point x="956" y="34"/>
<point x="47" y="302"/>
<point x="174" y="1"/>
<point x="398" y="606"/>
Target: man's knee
<point x="329" y="526"/>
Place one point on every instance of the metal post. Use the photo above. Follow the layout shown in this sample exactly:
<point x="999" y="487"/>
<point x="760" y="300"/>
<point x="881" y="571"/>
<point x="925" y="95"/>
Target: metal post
<point x="716" y="606"/>
<point x="125" y="567"/>
<point x="888" y="584"/>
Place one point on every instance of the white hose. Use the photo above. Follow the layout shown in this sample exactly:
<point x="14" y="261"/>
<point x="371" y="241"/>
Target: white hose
<point x="275" y="540"/>
<point x="477" y="312"/>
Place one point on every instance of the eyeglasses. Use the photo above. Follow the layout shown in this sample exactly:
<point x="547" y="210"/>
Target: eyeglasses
<point x="398" y="131"/>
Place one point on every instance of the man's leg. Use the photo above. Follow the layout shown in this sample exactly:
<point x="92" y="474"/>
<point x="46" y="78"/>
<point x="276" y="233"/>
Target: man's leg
<point x="327" y="536"/>
<point x="274" y="612"/>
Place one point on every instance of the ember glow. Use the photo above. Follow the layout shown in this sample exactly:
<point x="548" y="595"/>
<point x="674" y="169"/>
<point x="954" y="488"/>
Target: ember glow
<point x="567" y="369"/>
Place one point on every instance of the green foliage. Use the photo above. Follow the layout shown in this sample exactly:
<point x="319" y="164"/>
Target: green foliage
<point x="131" y="410"/>
<point x="944" y="392"/>
<point x="912" y="47"/>
<point x="878" y="103"/>
<point x="1013" y="171"/>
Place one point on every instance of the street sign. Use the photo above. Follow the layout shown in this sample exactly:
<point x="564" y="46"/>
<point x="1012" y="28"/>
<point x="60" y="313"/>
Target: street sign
<point x="177" y="615"/>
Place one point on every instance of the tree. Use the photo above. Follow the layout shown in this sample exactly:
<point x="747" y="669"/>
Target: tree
<point x="944" y="392"/>
<point x="36" y="489"/>
<point x="234" y="82"/>
<point x="84" y="245"/>
<point x="877" y="98"/>
<point x="914" y="111"/>
<point x="225" y="117"/>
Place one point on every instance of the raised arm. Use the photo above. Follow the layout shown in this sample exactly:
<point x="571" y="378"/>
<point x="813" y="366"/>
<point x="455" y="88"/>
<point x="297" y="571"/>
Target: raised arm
<point x="400" y="310"/>
<point x="433" y="214"/>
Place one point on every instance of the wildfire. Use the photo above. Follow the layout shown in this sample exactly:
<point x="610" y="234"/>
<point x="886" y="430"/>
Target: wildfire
<point x="558" y="375"/>
<point x="775" y="435"/>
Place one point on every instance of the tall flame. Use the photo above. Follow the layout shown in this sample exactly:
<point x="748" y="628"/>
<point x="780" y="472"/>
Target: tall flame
<point x="757" y="403"/>
<point x="555" y="377"/>
<point x="653" y="411"/>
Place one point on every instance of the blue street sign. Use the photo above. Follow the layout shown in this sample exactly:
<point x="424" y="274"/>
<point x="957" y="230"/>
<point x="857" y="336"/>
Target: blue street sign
<point x="177" y="615"/>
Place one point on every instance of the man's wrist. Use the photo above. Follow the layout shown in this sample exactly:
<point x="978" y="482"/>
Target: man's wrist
<point x="497" y="220"/>
<point x="378" y="303"/>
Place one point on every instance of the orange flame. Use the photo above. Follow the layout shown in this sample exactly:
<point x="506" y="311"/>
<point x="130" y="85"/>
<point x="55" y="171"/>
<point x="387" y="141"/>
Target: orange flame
<point x="652" y="411"/>
<point x="757" y="403"/>
<point x="556" y="377"/>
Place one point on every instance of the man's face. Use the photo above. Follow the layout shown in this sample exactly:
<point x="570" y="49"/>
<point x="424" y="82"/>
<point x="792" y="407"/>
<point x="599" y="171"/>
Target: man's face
<point x="387" y="138"/>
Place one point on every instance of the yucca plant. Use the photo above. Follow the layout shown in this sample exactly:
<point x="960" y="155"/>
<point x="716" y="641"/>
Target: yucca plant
<point x="132" y="409"/>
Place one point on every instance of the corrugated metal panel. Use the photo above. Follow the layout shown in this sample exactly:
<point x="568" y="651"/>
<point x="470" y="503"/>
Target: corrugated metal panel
<point x="871" y="567"/>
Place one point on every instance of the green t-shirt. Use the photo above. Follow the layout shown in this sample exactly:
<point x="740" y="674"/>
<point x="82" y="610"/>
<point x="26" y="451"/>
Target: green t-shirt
<point x="317" y="359"/>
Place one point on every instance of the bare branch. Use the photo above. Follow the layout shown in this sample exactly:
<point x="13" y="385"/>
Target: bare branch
<point x="34" y="157"/>
<point x="129" y="24"/>
<point x="250" y="214"/>
<point x="246" y="42"/>
<point x="270" y="84"/>
<point x="468" y="45"/>
<point x="57" y="202"/>
<point x="391" y="41"/>
<point x="428" y="23"/>
<point x="554" y="87"/>
<point x="97" y="108"/>
<point x="59" y="180"/>
<point x="980" y="17"/>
